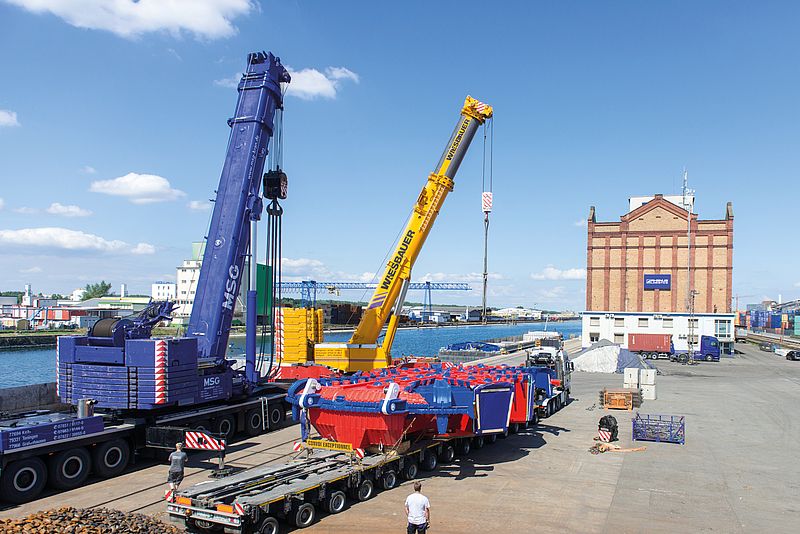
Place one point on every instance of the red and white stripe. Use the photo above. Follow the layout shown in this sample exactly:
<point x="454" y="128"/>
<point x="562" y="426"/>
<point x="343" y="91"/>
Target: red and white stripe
<point x="279" y="333"/>
<point x="359" y="453"/>
<point x="161" y="371"/>
<point x="486" y="201"/>
<point x="605" y="435"/>
<point x="238" y="508"/>
<point x="480" y="106"/>
<point x="169" y="495"/>
<point x="202" y="441"/>
<point x="298" y="446"/>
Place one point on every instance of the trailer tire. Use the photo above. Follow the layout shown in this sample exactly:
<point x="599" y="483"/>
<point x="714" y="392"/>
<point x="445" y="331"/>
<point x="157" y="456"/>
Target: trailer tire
<point x="447" y="454"/>
<point x="69" y="469"/>
<point x="477" y="442"/>
<point x="201" y="426"/>
<point x="429" y="460"/>
<point x="513" y="428"/>
<point x="365" y="490"/>
<point x="253" y="422"/>
<point x="110" y="458"/>
<point x="388" y="480"/>
<point x="335" y="502"/>
<point x="305" y="515"/>
<point x="463" y="446"/>
<point x="23" y="480"/>
<point x="491" y="438"/>
<point x="277" y="414"/>
<point x="269" y="525"/>
<point x="225" y="426"/>
<point x="410" y="470"/>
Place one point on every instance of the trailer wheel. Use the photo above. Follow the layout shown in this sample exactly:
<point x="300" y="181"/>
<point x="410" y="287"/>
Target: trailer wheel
<point x="477" y="442"/>
<point x="110" y="458"/>
<point x="69" y="469"/>
<point x="388" y="480"/>
<point x="201" y="426"/>
<point x="276" y="415"/>
<point x="490" y="438"/>
<point x="269" y="525"/>
<point x="23" y="480"/>
<point x="513" y="428"/>
<point x="447" y="454"/>
<point x="365" y="490"/>
<point x="305" y="515"/>
<point x="463" y="446"/>
<point x="336" y="502"/>
<point x="429" y="461"/>
<point x="225" y="426"/>
<point x="410" y="470"/>
<point x="253" y="422"/>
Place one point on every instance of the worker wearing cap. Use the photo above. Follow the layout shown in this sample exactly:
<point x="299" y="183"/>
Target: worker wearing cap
<point x="418" y="510"/>
<point x="177" y="461"/>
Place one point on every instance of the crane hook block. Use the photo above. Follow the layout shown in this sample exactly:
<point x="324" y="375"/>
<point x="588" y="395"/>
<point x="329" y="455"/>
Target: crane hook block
<point x="276" y="184"/>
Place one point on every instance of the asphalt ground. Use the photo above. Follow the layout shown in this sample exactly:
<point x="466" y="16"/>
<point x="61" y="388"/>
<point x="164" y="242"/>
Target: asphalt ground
<point x="737" y="471"/>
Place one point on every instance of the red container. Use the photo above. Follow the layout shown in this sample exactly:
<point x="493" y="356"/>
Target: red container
<point x="649" y="343"/>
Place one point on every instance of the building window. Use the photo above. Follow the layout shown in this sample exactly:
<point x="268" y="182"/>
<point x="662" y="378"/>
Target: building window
<point x="692" y="339"/>
<point x="667" y="323"/>
<point x="694" y="323"/>
<point x="594" y="337"/>
<point x="619" y="338"/>
<point x="643" y="322"/>
<point x="619" y="321"/>
<point x="722" y="328"/>
<point x="594" y="321"/>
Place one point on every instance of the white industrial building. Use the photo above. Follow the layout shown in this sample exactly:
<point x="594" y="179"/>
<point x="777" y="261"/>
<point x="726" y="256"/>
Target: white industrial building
<point x="164" y="290"/>
<point x="517" y="313"/>
<point x="615" y="327"/>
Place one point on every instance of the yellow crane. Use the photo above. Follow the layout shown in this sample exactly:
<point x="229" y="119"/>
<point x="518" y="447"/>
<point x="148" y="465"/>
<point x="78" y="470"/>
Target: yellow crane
<point x="362" y="352"/>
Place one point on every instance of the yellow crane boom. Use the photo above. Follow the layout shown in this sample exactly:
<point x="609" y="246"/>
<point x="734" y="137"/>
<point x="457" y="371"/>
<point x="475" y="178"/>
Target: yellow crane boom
<point x="362" y="352"/>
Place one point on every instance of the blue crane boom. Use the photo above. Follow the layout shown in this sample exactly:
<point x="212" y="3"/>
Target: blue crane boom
<point x="238" y="202"/>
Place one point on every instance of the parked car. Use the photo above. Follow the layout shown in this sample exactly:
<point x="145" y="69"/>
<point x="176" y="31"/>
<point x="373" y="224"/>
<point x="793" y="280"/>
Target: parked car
<point x="793" y="355"/>
<point x="767" y="347"/>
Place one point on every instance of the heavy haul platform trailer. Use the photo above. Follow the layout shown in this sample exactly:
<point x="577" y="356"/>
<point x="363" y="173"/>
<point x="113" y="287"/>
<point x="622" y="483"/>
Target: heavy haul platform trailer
<point x="61" y="451"/>
<point x="259" y="499"/>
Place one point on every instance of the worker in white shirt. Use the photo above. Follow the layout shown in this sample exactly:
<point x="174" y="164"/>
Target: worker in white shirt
<point x="418" y="510"/>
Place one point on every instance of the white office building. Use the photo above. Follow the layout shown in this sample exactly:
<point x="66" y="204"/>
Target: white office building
<point x="164" y="290"/>
<point x="615" y="327"/>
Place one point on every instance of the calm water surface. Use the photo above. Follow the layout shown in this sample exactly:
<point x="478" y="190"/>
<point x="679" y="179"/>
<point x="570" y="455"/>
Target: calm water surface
<point x="34" y="366"/>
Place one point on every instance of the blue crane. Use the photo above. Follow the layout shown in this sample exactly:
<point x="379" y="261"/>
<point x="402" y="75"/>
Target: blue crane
<point x="308" y="289"/>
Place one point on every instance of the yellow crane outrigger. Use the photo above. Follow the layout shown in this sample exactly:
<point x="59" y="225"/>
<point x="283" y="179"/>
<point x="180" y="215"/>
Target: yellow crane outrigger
<point x="362" y="352"/>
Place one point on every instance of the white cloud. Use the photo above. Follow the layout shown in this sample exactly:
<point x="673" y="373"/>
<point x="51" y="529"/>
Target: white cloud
<point x="454" y="277"/>
<point x="312" y="269"/>
<point x="199" y="205"/>
<point x="205" y="19"/>
<point x="25" y="210"/>
<point x="69" y="210"/>
<point x="581" y="223"/>
<point x="551" y="273"/>
<point x="88" y="169"/>
<point x="309" y="84"/>
<point x="138" y="188"/>
<point x="231" y="82"/>
<point x="8" y="118"/>
<point x="552" y="294"/>
<point x="56" y="238"/>
<point x="31" y="270"/>
<point x="2" y="203"/>
<point x="143" y="248"/>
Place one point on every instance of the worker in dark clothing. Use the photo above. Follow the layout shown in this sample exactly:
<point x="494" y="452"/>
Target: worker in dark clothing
<point x="177" y="461"/>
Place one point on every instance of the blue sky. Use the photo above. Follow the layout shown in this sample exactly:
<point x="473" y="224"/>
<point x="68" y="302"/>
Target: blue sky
<point x="594" y="102"/>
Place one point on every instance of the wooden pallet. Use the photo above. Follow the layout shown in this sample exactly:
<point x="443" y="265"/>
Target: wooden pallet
<point x="620" y="399"/>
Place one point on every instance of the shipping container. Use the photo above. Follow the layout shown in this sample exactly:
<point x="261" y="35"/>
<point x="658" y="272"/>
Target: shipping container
<point x="650" y="343"/>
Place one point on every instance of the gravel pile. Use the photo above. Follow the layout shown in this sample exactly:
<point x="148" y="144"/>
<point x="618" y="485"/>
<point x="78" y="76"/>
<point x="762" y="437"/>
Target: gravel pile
<point x="91" y="521"/>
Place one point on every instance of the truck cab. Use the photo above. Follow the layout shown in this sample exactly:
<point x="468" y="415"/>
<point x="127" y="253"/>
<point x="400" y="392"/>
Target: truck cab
<point x="709" y="349"/>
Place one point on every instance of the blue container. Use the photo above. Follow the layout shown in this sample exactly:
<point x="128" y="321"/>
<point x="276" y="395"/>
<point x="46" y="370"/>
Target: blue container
<point x="668" y="428"/>
<point x="775" y="321"/>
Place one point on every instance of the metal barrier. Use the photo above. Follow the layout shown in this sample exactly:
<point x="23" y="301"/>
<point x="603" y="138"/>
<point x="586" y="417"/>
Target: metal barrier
<point x="669" y="428"/>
